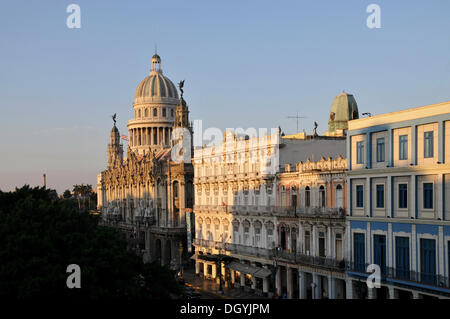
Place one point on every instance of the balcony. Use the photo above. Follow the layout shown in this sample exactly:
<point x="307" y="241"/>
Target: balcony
<point x="315" y="261"/>
<point x="209" y="243"/>
<point x="249" y="250"/>
<point x="310" y="212"/>
<point x="404" y="277"/>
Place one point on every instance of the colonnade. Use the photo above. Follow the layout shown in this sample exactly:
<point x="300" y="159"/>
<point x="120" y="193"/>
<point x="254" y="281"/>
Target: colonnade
<point x="150" y="136"/>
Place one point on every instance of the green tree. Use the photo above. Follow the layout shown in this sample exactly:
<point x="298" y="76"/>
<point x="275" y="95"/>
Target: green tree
<point x="40" y="235"/>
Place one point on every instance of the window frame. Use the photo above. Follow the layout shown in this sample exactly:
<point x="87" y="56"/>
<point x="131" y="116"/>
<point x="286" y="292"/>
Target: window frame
<point x="428" y="144"/>
<point x="403" y="147"/>
<point x="381" y="147"/>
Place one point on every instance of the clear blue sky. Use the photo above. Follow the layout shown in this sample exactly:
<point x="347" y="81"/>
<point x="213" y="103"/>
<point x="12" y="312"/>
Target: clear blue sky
<point x="246" y="64"/>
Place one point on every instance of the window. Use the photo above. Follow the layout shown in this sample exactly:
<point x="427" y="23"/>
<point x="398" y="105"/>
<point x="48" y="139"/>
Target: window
<point x="146" y="112"/>
<point x="402" y="195"/>
<point x="403" y="147"/>
<point x="427" y="260"/>
<point x="402" y="257"/>
<point x="428" y="195"/>
<point x="307" y="197"/>
<point x="360" y="152"/>
<point x="257" y="236"/>
<point x="293" y="196"/>
<point x="428" y="144"/>
<point x="246" y="235"/>
<point x="338" y="247"/>
<point x="322" y="196"/>
<point x="307" y="242"/>
<point x="155" y="112"/>
<point x="339" y="197"/>
<point x="321" y="244"/>
<point x="359" y="252"/>
<point x="380" y="196"/>
<point x="270" y="238"/>
<point x="164" y="111"/>
<point x="380" y="149"/>
<point x="379" y="248"/>
<point x="359" y="196"/>
<point x="171" y="112"/>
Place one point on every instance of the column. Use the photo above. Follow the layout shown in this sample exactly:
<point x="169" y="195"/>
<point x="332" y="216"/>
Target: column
<point x="164" y="136"/>
<point x="233" y="277"/>
<point x="317" y="286"/>
<point x="328" y="252"/>
<point x="302" y="284"/>
<point x="265" y="285"/>
<point x="371" y="293"/>
<point x="349" y="289"/>
<point x="331" y="287"/>
<point x="289" y="282"/>
<point x="393" y="293"/>
<point x="242" y="279"/>
<point x="278" y="281"/>
<point x="214" y="272"/>
<point x="197" y="268"/>
<point x="205" y="269"/>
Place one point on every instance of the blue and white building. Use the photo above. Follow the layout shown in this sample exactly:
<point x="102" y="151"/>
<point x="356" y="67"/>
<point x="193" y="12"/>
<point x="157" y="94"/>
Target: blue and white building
<point x="399" y="203"/>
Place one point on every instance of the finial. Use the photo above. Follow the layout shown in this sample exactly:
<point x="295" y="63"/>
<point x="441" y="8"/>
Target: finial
<point x="114" y="118"/>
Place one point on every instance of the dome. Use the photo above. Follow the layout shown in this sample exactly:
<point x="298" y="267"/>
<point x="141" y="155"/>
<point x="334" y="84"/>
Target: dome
<point x="343" y="109"/>
<point x="155" y="85"/>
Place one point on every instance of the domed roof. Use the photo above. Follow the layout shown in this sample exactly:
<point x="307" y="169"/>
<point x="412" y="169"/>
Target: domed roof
<point x="343" y="109"/>
<point x="155" y="85"/>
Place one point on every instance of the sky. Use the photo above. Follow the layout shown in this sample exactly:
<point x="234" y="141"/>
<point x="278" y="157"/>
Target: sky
<point x="245" y="64"/>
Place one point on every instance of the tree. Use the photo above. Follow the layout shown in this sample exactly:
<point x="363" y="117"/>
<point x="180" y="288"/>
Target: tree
<point x="40" y="235"/>
<point x="67" y="194"/>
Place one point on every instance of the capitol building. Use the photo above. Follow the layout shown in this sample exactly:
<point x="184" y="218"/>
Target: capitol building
<point x="147" y="194"/>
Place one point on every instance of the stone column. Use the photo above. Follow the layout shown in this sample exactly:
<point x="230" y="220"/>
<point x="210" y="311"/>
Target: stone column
<point x="371" y="293"/>
<point x="393" y="293"/>
<point x="265" y="285"/>
<point x="302" y="284"/>
<point x="242" y="279"/>
<point x="317" y="286"/>
<point x="197" y="268"/>
<point x="331" y="287"/>
<point x="349" y="289"/>
<point x="289" y="281"/>
<point x="278" y="281"/>
<point x="233" y="277"/>
<point x="164" y="136"/>
<point x="205" y="269"/>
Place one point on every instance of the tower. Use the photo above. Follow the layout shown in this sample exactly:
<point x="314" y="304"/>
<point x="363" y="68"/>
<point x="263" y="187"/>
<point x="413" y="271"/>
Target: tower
<point x="343" y="109"/>
<point x="115" y="149"/>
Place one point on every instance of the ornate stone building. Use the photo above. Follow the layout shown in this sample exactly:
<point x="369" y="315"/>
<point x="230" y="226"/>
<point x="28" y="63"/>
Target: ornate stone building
<point x="275" y="224"/>
<point x="148" y="193"/>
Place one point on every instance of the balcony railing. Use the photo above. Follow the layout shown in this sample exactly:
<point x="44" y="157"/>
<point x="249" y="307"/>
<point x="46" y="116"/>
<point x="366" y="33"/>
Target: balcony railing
<point x="296" y="257"/>
<point x="249" y="250"/>
<point x="404" y="276"/>
<point x="209" y="243"/>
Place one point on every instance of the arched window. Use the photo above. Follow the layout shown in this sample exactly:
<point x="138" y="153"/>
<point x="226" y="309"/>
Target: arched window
<point x="146" y="112"/>
<point x="155" y="112"/>
<point x="139" y="114"/>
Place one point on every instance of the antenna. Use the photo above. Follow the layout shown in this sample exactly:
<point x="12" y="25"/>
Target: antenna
<point x="297" y="117"/>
